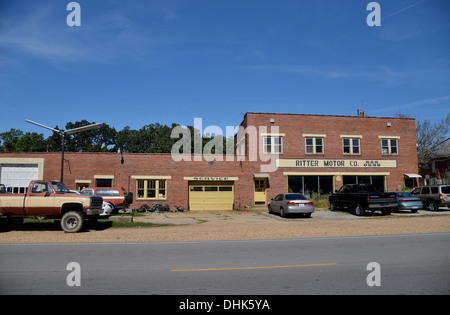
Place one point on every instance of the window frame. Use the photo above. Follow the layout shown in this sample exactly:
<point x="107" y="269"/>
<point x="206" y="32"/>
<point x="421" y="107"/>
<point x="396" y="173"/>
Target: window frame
<point x="351" y="146"/>
<point x="147" y="187"/>
<point x="314" y="144"/>
<point x="272" y="145"/>
<point x="389" y="146"/>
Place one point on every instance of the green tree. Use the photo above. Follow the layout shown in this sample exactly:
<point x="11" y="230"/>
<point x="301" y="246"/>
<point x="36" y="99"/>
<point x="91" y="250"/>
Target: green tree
<point x="10" y="140"/>
<point x="32" y="142"/>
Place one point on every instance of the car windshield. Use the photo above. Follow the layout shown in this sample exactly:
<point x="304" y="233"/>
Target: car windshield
<point x="445" y="189"/>
<point x="404" y="194"/>
<point x="295" y="197"/>
<point x="60" y="187"/>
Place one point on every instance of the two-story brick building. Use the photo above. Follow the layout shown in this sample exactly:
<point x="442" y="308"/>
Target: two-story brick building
<point x="275" y="153"/>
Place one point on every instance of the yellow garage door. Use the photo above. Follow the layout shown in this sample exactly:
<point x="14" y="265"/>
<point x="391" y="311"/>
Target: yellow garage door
<point x="211" y="195"/>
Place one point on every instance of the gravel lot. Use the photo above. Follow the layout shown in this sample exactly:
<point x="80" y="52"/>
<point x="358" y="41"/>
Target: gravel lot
<point x="236" y="225"/>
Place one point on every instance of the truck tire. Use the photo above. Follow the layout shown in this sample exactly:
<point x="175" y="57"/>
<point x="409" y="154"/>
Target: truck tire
<point x="359" y="210"/>
<point x="333" y="206"/>
<point x="72" y="222"/>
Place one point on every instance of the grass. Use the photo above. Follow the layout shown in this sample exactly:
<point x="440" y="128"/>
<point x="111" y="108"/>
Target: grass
<point x="32" y="224"/>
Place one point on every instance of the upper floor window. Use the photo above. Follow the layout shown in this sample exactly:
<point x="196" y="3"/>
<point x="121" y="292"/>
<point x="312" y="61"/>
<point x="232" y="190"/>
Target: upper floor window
<point x="273" y="144"/>
<point x="351" y="145"/>
<point x="389" y="146"/>
<point x="314" y="145"/>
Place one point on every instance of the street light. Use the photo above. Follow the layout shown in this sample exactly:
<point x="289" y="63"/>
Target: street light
<point x="63" y="133"/>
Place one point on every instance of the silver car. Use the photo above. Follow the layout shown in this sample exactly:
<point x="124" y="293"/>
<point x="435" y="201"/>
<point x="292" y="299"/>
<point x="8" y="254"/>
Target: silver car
<point x="291" y="203"/>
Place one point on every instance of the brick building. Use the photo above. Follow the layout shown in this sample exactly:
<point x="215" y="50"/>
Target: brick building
<point x="275" y="153"/>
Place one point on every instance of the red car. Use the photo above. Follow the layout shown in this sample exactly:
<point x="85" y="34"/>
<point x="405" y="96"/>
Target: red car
<point x="117" y="197"/>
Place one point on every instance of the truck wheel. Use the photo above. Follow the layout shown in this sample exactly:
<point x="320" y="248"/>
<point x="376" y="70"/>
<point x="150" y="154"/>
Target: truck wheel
<point x="72" y="222"/>
<point x="333" y="206"/>
<point x="359" y="210"/>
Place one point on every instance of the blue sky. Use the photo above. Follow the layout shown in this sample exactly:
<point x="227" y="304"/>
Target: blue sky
<point x="138" y="62"/>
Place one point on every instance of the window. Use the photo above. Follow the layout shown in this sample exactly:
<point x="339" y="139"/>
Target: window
<point x="103" y="182"/>
<point x="107" y="192"/>
<point x="378" y="182"/>
<point x="314" y="145"/>
<point x="151" y="189"/>
<point x="273" y="145"/>
<point x="41" y="188"/>
<point x="309" y="185"/>
<point x="351" y="146"/>
<point x="389" y="146"/>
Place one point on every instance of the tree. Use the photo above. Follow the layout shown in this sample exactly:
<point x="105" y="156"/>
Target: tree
<point x="429" y="138"/>
<point x="101" y="139"/>
<point x="32" y="142"/>
<point x="11" y="139"/>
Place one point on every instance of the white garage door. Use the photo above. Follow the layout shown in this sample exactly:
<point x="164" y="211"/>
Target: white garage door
<point x="17" y="177"/>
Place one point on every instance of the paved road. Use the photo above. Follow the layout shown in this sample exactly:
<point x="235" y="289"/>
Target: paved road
<point x="408" y="264"/>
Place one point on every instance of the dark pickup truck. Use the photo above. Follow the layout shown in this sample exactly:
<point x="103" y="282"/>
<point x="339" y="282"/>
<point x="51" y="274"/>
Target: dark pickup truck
<point x="362" y="198"/>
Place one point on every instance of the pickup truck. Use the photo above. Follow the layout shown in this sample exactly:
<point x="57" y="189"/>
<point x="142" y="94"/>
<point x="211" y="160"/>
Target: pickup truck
<point x="361" y="198"/>
<point x="51" y="199"/>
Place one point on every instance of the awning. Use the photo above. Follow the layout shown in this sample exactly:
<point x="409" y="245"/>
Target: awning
<point x="261" y="175"/>
<point x="412" y="175"/>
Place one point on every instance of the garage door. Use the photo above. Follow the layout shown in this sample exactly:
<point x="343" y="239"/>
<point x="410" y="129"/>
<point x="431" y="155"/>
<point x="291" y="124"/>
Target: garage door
<point x="17" y="177"/>
<point x="211" y="195"/>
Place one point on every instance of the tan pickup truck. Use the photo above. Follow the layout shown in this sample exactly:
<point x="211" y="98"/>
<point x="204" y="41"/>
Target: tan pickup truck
<point x="51" y="199"/>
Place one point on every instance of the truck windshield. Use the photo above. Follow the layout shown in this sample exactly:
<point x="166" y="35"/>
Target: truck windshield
<point x="60" y="187"/>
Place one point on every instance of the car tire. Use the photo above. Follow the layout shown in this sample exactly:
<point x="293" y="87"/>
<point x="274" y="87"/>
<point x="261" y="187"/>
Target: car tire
<point x="270" y="209"/>
<point x="72" y="222"/>
<point x="282" y="213"/>
<point x="414" y="210"/>
<point x="359" y="210"/>
<point x="432" y="206"/>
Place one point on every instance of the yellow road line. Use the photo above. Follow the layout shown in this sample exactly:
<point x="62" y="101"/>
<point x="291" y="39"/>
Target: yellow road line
<point x="260" y="267"/>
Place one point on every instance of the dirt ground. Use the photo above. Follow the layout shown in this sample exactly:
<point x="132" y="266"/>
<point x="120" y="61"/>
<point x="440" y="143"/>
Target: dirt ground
<point x="237" y="225"/>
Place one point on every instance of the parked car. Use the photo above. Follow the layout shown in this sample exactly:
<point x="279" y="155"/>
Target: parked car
<point x="106" y="206"/>
<point x="407" y="201"/>
<point x="118" y="198"/>
<point x="285" y="204"/>
<point x="433" y="197"/>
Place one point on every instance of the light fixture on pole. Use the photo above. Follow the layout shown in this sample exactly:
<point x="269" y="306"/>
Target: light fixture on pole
<point x="63" y="133"/>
